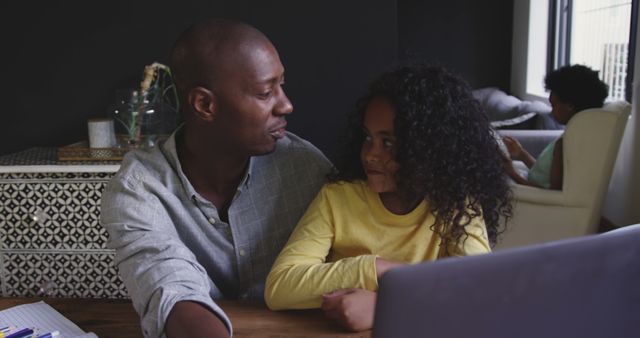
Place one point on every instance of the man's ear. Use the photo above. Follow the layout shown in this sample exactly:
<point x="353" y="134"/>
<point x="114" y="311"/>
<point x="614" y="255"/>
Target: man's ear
<point x="203" y="103"/>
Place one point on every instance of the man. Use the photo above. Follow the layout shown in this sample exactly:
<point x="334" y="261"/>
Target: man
<point x="203" y="215"/>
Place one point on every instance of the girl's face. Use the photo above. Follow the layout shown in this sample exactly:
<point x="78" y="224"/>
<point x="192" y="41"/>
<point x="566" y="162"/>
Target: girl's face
<point x="379" y="147"/>
<point x="560" y="110"/>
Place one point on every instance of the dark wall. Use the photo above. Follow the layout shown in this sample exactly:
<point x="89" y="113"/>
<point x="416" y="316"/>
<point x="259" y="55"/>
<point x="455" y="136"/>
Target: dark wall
<point x="63" y="60"/>
<point x="472" y="38"/>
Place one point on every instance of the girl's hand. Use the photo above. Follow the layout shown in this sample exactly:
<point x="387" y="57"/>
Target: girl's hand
<point x="353" y="308"/>
<point x="518" y="152"/>
<point x="514" y="147"/>
<point x="384" y="265"/>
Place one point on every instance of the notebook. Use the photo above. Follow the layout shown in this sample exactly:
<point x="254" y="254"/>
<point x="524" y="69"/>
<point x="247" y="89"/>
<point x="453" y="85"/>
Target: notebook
<point x="41" y="318"/>
<point x="585" y="287"/>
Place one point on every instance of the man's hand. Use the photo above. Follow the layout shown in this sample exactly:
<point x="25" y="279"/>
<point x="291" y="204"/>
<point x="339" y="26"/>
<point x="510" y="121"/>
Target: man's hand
<point x="384" y="265"/>
<point x="352" y="308"/>
<point x="191" y="319"/>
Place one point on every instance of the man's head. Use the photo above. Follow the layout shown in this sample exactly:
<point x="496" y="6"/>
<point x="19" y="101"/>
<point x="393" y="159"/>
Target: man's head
<point x="229" y="79"/>
<point x="573" y="89"/>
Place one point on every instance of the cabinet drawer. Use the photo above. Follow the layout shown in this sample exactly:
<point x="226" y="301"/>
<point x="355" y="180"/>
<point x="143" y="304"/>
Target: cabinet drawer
<point x="50" y="230"/>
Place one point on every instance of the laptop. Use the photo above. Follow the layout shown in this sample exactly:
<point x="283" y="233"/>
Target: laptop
<point x="584" y="287"/>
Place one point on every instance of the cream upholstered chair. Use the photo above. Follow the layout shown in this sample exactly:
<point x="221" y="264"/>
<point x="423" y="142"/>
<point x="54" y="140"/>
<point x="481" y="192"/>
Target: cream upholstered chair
<point x="590" y="147"/>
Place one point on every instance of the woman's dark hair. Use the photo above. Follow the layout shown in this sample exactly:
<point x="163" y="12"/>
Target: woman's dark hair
<point x="577" y="85"/>
<point x="445" y="149"/>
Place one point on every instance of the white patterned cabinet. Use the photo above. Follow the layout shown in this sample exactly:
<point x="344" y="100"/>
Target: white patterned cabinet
<point x="51" y="240"/>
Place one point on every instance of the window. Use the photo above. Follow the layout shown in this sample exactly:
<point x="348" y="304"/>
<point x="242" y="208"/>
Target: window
<point x="538" y="39"/>
<point x="595" y="33"/>
<point x="549" y="34"/>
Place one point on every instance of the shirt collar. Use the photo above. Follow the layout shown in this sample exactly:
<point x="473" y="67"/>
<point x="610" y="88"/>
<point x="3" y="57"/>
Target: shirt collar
<point x="170" y="151"/>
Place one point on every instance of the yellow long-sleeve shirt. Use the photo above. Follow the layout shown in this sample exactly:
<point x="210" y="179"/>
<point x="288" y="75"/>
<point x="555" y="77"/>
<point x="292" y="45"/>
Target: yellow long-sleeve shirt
<point x="335" y="245"/>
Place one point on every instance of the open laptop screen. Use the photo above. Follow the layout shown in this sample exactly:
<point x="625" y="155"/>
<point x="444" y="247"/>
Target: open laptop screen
<point x="584" y="287"/>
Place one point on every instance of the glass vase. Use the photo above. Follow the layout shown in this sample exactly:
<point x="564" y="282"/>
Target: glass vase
<point x="143" y="119"/>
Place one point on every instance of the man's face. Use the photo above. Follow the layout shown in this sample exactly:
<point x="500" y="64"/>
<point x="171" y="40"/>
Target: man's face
<point x="251" y="103"/>
<point x="379" y="147"/>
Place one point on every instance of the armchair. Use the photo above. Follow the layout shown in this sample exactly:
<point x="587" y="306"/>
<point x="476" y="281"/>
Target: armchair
<point x="590" y="146"/>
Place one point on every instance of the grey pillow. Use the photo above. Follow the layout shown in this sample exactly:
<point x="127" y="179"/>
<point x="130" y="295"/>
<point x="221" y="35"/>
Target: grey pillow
<point x="506" y="110"/>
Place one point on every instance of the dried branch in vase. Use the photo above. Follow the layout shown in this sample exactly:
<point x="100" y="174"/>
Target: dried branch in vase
<point x="151" y="110"/>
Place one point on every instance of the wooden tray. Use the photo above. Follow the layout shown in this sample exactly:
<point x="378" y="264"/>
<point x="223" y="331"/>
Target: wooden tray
<point x="80" y="151"/>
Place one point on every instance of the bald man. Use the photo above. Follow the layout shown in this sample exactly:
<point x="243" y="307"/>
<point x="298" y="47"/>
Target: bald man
<point x="203" y="215"/>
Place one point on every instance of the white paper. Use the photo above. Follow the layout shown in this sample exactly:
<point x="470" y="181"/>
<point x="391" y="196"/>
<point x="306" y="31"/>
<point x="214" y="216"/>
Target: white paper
<point x="42" y="318"/>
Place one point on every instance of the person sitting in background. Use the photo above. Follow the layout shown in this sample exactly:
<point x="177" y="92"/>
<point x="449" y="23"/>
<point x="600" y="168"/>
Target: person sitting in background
<point x="422" y="179"/>
<point x="572" y="89"/>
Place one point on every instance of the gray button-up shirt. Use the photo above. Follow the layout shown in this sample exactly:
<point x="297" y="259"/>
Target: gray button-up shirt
<point x="171" y="244"/>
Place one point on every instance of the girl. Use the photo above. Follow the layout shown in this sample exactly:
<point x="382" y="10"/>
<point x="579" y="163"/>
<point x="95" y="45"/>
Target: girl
<point x="572" y="89"/>
<point x="422" y="180"/>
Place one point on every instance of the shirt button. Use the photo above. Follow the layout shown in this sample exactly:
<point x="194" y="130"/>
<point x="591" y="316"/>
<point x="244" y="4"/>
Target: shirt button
<point x="212" y="220"/>
<point x="244" y="296"/>
<point x="242" y="253"/>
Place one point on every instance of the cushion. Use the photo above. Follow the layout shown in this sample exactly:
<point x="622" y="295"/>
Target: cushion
<point x="505" y="110"/>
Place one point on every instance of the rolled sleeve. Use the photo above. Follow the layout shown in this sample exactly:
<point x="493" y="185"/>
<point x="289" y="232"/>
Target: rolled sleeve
<point x="157" y="268"/>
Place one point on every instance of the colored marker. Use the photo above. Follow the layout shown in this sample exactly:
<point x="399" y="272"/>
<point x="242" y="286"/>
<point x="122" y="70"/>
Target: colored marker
<point x="49" y="334"/>
<point x="21" y="334"/>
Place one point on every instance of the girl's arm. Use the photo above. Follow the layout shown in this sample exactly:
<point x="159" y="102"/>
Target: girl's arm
<point x="555" y="173"/>
<point x="514" y="174"/>
<point x="517" y="151"/>
<point x="384" y="265"/>
<point x="557" y="167"/>
<point x="300" y="274"/>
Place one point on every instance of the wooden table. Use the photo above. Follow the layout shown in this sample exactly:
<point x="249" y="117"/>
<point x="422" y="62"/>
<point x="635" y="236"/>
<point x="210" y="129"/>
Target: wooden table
<point x="116" y="318"/>
<point x="253" y="319"/>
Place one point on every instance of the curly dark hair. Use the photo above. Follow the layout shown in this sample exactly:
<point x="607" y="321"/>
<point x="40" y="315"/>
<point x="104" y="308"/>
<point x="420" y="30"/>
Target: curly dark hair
<point x="577" y="85"/>
<point x="445" y="149"/>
